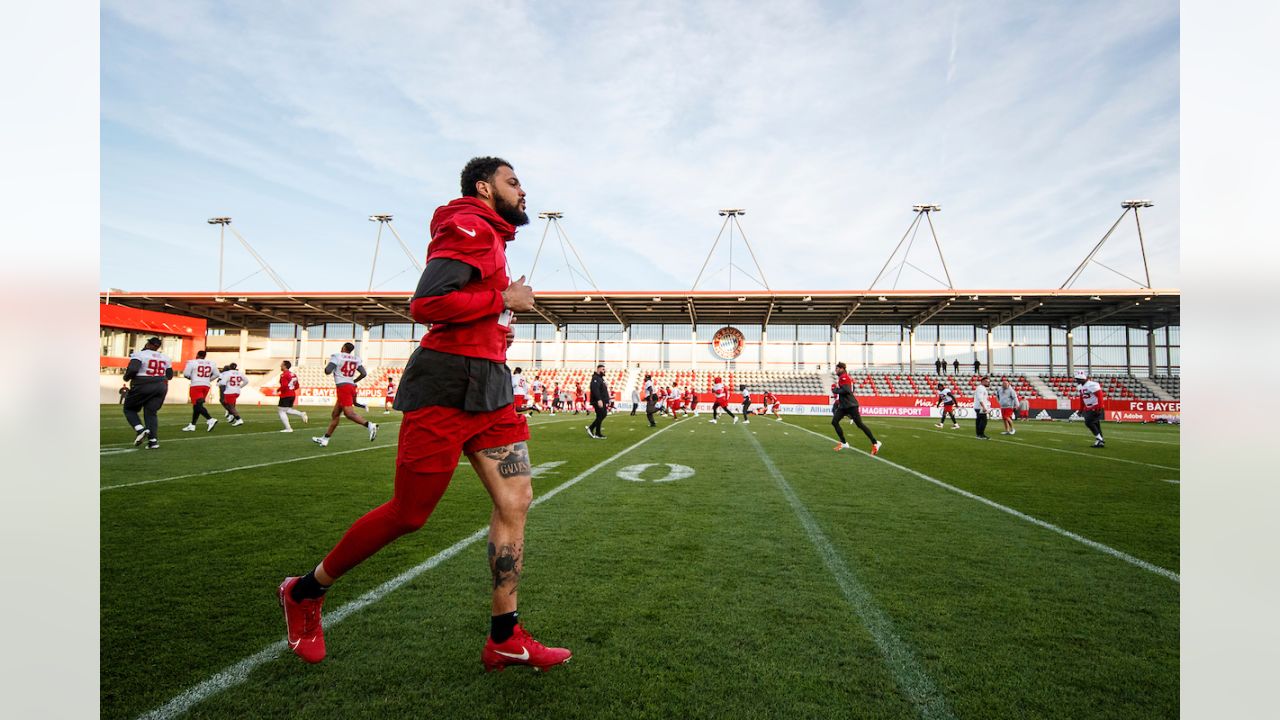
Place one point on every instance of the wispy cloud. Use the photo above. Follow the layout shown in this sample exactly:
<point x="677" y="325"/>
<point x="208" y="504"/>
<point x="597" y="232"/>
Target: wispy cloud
<point x="1028" y="123"/>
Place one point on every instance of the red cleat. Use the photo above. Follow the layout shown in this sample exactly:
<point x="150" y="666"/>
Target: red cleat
<point x="302" y="621"/>
<point x="875" y="448"/>
<point x="521" y="649"/>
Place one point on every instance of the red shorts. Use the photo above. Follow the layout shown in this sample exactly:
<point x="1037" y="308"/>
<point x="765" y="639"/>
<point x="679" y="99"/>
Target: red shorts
<point x="432" y="438"/>
<point x="775" y="407"/>
<point x="520" y="401"/>
<point x="346" y="395"/>
<point x="722" y="402"/>
<point x="198" y="392"/>
<point x="1008" y="413"/>
<point x="674" y="404"/>
<point x="230" y="398"/>
<point x="537" y="398"/>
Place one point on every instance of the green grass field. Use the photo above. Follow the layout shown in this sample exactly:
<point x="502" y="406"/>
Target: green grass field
<point x="1026" y="577"/>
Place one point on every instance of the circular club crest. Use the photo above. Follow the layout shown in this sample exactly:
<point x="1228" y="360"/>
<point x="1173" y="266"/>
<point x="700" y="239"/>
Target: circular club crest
<point x="727" y="343"/>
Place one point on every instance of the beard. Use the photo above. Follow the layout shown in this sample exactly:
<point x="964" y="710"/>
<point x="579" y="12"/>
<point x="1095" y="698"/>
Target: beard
<point x="511" y="212"/>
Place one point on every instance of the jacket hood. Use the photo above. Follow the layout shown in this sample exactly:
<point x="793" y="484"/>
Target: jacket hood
<point x="475" y="207"/>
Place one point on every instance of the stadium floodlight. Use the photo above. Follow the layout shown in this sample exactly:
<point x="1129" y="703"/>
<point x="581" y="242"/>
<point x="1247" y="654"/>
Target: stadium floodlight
<point x="742" y="298"/>
<point x="807" y="298"/>
<point x="1096" y="297"/>
<point x="732" y="211"/>
<point x="219" y="221"/>
<point x="379" y="218"/>
<point x="927" y="208"/>
<point x="1017" y="298"/>
<point x="586" y="299"/>
<point x="1137" y="204"/>
<point x="883" y="299"/>
<point x="657" y="299"/>
<point x="551" y="214"/>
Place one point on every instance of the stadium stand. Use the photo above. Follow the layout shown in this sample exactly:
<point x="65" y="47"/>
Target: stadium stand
<point x="1171" y="384"/>
<point x="1117" y="387"/>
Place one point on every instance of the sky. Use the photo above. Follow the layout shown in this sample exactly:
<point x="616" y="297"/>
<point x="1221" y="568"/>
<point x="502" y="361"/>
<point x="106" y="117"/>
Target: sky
<point x="1028" y="123"/>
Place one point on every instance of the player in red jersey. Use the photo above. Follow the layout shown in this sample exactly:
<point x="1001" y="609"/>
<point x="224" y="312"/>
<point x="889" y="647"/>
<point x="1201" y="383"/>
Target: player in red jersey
<point x="390" y="395"/>
<point x="288" y="396"/>
<point x="771" y="405"/>
<point x="456" y="398"/>
<point x="720" y="400"/>
<point x="579" y="399"/>
<point x="691" y="400"/>
<point x="556" y="404"/>
<point x="846" y="405"/>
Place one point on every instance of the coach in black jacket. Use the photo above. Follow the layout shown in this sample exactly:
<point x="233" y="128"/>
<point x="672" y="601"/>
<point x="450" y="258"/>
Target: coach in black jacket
<point x="600" y="402"/>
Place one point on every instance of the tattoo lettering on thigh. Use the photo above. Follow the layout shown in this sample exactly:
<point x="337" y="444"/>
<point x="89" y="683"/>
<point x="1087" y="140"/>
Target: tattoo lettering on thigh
<point x="513" y="460"/>
<point x="506" y="563"/>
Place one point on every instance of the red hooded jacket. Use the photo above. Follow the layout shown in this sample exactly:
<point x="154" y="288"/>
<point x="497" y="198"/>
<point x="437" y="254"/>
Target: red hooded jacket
<point x="465" y="322"/>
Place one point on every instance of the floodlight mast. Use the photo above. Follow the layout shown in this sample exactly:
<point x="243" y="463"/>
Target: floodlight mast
<point x="385" y="219"/>
<point x="1127" y="205"/>
<point x="222" y="222"/>
<point x="731" y="216"/>
<point x="923" y="211"/>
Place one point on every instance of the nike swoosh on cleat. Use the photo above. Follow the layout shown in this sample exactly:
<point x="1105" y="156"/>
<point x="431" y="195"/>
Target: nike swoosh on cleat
<point x="522" y="656"/>
<point x="295" y="643"/>
<point x="472" y="233"/>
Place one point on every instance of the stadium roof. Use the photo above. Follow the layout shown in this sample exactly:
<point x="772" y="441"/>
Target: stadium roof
<point x="986" y="308"/>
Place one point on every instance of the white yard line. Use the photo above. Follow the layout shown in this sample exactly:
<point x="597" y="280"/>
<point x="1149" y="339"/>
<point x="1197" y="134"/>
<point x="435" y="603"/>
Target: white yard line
<point x="1138" y="562"/>
<point x="900" y="658"/>
<point x="1095" y="455"/>
<point x="239" y="672"/>
<point x="391" y="446"/>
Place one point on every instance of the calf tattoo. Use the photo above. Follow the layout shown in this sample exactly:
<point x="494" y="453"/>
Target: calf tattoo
<point x="506" y="563"/>
<point x="513" y="460"/>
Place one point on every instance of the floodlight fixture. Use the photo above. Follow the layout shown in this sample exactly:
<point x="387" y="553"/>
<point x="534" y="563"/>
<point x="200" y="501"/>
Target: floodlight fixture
<point x="883" y="299"/>
<point x="1017" y="298"/>
<point x="927" y="208"/>
<point x="742" y="298"/>
<point x="219" y="221"/>
<point x="551" y="215"/>
<point x="1096" y="297"/>
<point x="1137" y="204"/>
<point x="379" y="218"/>
<point x="733" y="212"/>
<point x="808" y="298"/>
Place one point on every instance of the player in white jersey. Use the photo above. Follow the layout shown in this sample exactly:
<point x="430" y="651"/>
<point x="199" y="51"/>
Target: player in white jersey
<point x="235" y="383"/>
<point x="148" y="373"/>
<point x="347" y="369"/>
<point x="520" y="390"/>
<point x="538" y="388"/>
<point x="202" y="373"/>
<point x="1091" y="402"/>
<point x="746" y="404"/>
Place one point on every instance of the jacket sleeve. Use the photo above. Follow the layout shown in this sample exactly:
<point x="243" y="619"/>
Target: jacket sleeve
<point x="440" y="297"/>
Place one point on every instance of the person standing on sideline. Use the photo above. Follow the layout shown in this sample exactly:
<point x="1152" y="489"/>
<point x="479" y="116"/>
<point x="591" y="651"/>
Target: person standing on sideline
<point x="650" y="397"/>
<point x="201" y="373"/>
<point x="599" y="403"/>
<point x="347" y="370"/>
<point x="846" y="406"/>
<point x="456" y="398"/>
<point x="635" y="400"/>
<point x="288" y="396"/>
<point x="937" y="366"/>
<point x="1008" y="399"/>
<point x="976" y="366"/>
<point x="235" y="383"/>
<point x="148" y="375"/>
<point x="1091" y="401"/>
<point x="981" y="408"/>
<point x="124" y="390"/>
<point x="746" y="404"/>
<point x="956" y="364"/>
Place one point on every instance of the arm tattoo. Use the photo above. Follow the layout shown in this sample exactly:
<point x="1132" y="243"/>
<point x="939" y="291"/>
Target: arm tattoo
<point x="506" y="563"/>
<point x="513" y="460"/>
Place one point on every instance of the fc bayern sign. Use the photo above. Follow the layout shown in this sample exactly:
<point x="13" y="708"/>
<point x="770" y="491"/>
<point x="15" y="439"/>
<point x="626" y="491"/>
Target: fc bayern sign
<point x="727" y="342"/>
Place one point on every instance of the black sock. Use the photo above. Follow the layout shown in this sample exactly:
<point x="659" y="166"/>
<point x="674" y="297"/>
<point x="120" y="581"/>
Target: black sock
<point x="307" y="588"/>
<point x="501" y="627"/>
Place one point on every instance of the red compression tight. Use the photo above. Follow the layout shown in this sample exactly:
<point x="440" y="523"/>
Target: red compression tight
<point x="415" y="497"/>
